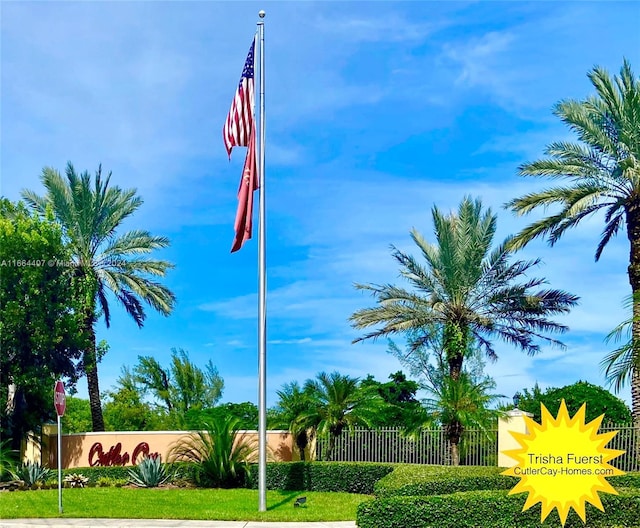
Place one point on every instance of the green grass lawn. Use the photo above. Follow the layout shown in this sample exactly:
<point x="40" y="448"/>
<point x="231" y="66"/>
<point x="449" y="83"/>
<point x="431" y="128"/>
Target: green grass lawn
<point x="166" y="503"/>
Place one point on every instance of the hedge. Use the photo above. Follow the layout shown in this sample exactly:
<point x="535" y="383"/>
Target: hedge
<point x="414" y="480"/>
<point x="491" y="509"/>
<point x="96" y="472"/>
<point x="350" y="477"/>
<point x="630" y="480"/>
<point x="182" y="470"/>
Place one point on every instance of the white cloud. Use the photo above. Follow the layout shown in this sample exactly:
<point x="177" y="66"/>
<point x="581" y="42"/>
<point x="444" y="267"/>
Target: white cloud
<point x="300" y="341"/>
<point x="389" y="28"/>
<point x="477" y="58"/>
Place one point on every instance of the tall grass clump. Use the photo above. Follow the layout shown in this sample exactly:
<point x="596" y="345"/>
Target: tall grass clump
<point x="221" y="455"/>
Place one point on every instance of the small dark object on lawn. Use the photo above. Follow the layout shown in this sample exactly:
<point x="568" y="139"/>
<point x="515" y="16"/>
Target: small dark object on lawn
<point x="299" y="501"/>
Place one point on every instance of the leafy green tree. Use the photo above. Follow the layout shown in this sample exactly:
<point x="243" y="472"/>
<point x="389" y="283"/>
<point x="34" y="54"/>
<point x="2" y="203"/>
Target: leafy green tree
<point x="246" y="414"/>
<point x="77" y="416"/>
<point x="38" y="321"/>
<point x="339" y="403"/>
<point x="599" y="173"/>
<point x="90" y="213"/>
<point x="400" y="394"/>
<point x="181" y="387"/>
<point x="294" y="402"/>
<point x="599" y="401"/>
<point x="125" y="409"/>
<point x="465" y="290"/>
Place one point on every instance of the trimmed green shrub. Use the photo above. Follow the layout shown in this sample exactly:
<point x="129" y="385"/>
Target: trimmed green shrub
<point x="120" y="474"/>
<point x="490" y="509"/>
<point x="419" y="480"/>
<point x="97" y="472"/>
<point x="350" y="477"/>
<point x="630" y="480"/>
<point x="107" y="482"/>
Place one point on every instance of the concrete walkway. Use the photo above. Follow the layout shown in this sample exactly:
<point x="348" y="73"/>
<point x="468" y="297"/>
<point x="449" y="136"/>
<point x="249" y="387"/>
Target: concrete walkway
<point x="162" y="523"/>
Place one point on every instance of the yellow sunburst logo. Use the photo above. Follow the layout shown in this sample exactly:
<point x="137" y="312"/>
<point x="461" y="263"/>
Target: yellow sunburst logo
<point x="563" y="463"/>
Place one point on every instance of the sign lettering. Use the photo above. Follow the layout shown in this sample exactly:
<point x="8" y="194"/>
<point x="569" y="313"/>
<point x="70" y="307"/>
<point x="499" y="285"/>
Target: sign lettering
<point x="115" y="457"/>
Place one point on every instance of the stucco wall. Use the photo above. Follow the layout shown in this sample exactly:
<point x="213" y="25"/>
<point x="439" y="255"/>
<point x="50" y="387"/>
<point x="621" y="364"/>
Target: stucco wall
<point x="90" y="449"/>
<point x="513" y="421"/>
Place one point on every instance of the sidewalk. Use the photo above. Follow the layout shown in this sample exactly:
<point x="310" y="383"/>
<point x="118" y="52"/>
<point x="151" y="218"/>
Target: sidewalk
<point x="162" y="523"/>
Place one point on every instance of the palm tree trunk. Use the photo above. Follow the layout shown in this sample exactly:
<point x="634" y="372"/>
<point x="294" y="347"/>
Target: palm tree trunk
<point x="86" y="289"/>
<point x="635" y="396"/>
<point x="90" y="361"/>
<point x="455" y="367"/>
<point x="331" y="447"/>
<point x="454" y="433"/>
<point x="455" y="346"/>
<point x="302" y="441"/>
<point x="455" y="455"/>
<point x="633" y="232"/>
<point x="13" y="415"/>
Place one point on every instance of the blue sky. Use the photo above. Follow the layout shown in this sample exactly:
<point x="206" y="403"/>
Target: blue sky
<point x="375" y="113"/>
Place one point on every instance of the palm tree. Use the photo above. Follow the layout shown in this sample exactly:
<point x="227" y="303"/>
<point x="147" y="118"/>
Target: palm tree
<point x="90" y="213"/>
<point x="461" y="404"/>
<point x="339" y="403"/>
<point x="453" y="404"/>
<point x="466" y="294"/>
<point x="294" y="402"/>
<point x="601" y="172"/>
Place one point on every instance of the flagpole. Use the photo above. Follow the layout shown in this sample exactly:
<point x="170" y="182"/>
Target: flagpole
<point x="262" y="297"/>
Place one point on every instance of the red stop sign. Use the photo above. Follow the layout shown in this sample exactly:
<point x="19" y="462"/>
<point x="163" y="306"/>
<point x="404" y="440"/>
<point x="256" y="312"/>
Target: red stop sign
<point x="59" y="398"/>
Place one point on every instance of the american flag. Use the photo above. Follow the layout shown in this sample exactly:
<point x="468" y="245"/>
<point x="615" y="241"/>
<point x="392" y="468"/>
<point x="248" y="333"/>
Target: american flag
<point x="239" y="131"/>
<point x="239" y="124"/>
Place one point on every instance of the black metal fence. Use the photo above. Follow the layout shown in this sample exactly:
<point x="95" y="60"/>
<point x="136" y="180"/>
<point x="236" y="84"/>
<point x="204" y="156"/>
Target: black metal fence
<point x="430" y="446"/>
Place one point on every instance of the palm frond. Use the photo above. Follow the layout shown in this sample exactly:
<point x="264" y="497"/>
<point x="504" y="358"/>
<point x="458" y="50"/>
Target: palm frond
<point x="620" y="363"/>
<point x="601" y="170"/>
<point x="614" y="224"/>
<point x="90" y="211"/>
<point x="463" y="283"/>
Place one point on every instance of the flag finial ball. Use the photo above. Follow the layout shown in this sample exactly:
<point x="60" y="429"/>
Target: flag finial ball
<point x="261" y="13"/>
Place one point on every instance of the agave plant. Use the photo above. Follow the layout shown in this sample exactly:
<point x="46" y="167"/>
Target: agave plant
<point x="221" y="456"/>
<point x="149" y="473"/>
<point x="31" y="473"/>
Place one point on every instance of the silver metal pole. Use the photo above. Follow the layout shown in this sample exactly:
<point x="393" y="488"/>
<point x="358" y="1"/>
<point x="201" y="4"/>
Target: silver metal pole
<point x="59" y="466"/>
<point x="262" y="299"/>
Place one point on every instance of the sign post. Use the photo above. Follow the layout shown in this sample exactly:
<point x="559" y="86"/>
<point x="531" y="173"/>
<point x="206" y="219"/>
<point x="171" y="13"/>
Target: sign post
<point x="60" y="403"/>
